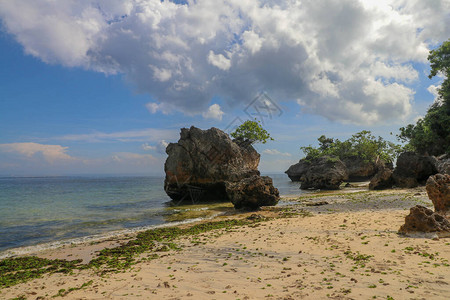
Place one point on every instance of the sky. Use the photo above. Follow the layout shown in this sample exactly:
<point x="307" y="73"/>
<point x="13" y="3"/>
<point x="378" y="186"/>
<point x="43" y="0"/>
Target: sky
<point x="102" y="86"/>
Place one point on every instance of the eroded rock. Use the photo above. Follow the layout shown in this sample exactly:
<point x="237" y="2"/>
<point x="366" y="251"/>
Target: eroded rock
<point x="424" y="220"/>
<point x="252" y="192"/>
<point x="382" y="180"/>
<point x="203" y="163"/>
<point x="325" y="172"/>
<point x="438" y="189"/>
<point x="413" y="169"/>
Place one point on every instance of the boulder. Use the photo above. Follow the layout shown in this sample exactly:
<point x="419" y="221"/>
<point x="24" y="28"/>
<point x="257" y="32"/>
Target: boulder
<point x="359" y="169"/>
<point x="382" y="179"/>
<point x="202" y="164"/>
<point x="296" y="171"/>
<point x="413" y="169"/>
<point x="252" y="192"/>
<point x="325" y="172"/>
<point x="422" y="219"/>
<point x="438" y="189"/>
<point x="443" y="164"/>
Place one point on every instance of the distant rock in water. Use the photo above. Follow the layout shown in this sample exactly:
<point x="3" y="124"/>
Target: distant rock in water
<point x="438" y="189"/>
<point x="206" y="165"/>
<point x="413" y="169"/>
<point x="422" y="219"/>
<point x="325" y="172"/>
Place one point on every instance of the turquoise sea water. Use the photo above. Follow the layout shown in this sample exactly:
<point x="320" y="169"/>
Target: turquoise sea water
<point x="35" y="210"/>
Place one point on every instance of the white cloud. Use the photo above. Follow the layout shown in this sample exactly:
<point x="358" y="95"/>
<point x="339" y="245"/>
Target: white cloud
<point x="214" y="112"/>
<point x="276" y="152"/>
<point x="147" y="147"/>
<point x="219" y="61"/>
<point x="160" y="147"/>
<point x="139" y="135"/>
<point x="134" y="159"/>
<point x="342" y="58"/>
<point x="433" y="89"/>
<point x="50" y="153"/>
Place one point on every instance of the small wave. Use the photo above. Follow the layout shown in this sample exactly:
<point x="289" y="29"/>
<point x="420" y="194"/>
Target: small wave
<point x="93" y="238"/>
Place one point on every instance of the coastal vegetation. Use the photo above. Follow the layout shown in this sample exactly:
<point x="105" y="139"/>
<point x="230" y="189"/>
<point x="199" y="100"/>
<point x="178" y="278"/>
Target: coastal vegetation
<point x="362" y="145"/>
<point x="431" y="134"/>
<point x="253" y="131"/>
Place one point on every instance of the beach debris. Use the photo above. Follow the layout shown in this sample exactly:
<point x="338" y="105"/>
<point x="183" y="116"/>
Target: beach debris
<point x="319" y="203"/>
<point x="424" y="220"/>
<point x="207" y="166"/>
<point x="438" y="189"/>
<point x="413" y="169"/>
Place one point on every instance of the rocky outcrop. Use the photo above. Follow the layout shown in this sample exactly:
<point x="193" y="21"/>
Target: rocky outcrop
<point x="422" y="219"/>
<point x="438" y="189"/>
<point x="203" y="165"/>
<point x="359" y="169"/>
<point x="382" y="179"/>
<point x="325" y="172"/>
<point x="296" y="171"/>
<point x="252" y="192"/>
<point x="443" y="164"/>
<point x="413" y="169"/>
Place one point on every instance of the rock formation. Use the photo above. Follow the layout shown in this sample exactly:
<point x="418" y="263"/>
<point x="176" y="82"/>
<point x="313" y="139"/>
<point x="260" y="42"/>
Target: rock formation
<point x="321" y="173"/>
<point x="359" y="169"/>
<point x="204" y="164"/>
<point x="413" y="169"/>
<point x="438" y="189"/>
<point x="443" y="164"/>
<point x="382" y="179"/>
<point x="422" y="219"/>
<point x="252" y="192"/>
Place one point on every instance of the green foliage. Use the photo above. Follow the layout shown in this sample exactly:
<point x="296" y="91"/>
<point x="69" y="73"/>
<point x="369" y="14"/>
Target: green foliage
<point x="362" y="144"/>
<point x="253" y="131"/>
<point x="431" y="135"/>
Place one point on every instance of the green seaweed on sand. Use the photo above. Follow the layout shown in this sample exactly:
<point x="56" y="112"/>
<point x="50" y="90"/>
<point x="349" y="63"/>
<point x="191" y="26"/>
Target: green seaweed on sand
<point x="21" y="269"/>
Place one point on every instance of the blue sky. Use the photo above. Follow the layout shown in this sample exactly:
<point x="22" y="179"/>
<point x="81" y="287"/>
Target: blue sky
<point x="85" y="95"/>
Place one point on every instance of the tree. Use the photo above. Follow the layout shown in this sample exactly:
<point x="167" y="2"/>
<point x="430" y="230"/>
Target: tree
<point x="431" y="135"/>
<point x="253" y="131"/>
<point x="362" y="144"/>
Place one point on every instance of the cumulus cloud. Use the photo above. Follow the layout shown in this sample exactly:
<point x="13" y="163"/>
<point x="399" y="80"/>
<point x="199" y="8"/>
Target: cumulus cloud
<point x="214" y="112"/>
<point x="276" y="152"/>
<point x="347" y="60"/>
<point x="159" y="148"/>
<point x="49" y="153"/>
<point x="434" y="90"/>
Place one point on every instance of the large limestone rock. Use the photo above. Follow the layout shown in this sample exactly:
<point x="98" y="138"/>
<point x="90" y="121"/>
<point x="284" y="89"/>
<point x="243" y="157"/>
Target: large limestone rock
<point x="296" y="171"/>
<point x="424" y="220"/>
<point x="413" y="169"/>
<point x="382" y="179"/>
<point x="252" y="192"/>
<point x="203" y="163"/>
<point x="323" y="173"/>
<point x="438" y="189"/>
<point x="359" y="169"/>
<point x="443" y="164"/>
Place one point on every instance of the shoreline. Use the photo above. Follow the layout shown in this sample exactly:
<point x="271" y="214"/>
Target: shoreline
<point x="299" y="243"/>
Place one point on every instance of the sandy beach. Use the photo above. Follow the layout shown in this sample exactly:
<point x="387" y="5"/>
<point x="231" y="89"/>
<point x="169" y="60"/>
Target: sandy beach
<point x="332" y="245"/>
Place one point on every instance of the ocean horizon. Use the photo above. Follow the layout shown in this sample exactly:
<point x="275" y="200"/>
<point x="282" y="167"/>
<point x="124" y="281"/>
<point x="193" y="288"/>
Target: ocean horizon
<point x="37" y="210"/>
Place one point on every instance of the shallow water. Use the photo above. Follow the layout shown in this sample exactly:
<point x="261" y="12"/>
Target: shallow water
<point x="37" y="210"/>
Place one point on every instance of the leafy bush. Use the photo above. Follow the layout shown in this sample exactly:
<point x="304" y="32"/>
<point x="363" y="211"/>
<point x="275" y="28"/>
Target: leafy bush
<point x="253" y="131"/>
<point x="362" y="144"/>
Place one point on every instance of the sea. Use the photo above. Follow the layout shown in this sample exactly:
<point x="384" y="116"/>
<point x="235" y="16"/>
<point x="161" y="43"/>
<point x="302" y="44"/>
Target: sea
<point x="44" y="212"/>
